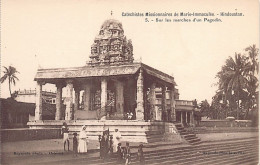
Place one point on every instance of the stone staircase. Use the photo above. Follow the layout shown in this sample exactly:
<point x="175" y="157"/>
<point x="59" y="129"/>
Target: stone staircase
<point x="189" y="136"/>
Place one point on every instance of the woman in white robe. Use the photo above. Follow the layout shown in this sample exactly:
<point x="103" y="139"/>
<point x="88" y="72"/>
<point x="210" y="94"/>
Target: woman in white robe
<point x="83" y="141"/>
<point x="116" y="139"/>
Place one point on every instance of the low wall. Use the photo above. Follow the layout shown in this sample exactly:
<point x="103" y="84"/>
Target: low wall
<point x="8" y="135"/>
<point x="206" y="130"/>
<point x="131" y="130"/>
<point x="225" y="123"/>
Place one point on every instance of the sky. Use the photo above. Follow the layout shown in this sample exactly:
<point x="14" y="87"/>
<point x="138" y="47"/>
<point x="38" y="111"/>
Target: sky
<point x="59" y="33"/>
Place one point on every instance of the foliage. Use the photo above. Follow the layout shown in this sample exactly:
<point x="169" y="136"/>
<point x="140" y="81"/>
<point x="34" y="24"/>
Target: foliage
<point x="10" y="75"/>
<point x="237" y="86"/>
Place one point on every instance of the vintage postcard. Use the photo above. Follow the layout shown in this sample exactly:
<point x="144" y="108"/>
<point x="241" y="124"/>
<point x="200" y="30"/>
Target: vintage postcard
<point x="129" y="82"/>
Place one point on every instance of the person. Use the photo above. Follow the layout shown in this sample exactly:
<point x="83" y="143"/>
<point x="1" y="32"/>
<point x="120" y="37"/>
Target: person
<point x="65" y="132"/>
<point x="140" y="154"/>
<point x="127" y="154"/>
<point x="75" y="144"/>
<point x="104" y="145"/>
<point x="82" y="147"/>
<point x="116" y="139"/>
<point x="119" y="153"/>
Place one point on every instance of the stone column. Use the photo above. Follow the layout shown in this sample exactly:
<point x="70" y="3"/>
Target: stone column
<point x="58" y="102"/>
<point x="69" y="100"/>
<point x="186" y="117"/>
<point x="192" y="118"/>
<point x="38" y="101"/>
<point x="119" y="97"/>
<point x="152" y="99"/>
<point x="172" y="104"/>
<point x="181" y="118"/>
<point x="140" y="97"/>
<point x="87" y="90"/>
<point x="103" y="93"/>
<point x="164" y="106"/>
<point x="76" y="99"/>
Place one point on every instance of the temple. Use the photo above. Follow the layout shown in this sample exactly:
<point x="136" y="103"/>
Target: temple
<point x="111" y="90"/>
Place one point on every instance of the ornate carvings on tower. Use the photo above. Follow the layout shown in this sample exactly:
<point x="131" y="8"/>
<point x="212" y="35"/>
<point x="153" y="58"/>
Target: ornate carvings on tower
<point x="111" y="46"/>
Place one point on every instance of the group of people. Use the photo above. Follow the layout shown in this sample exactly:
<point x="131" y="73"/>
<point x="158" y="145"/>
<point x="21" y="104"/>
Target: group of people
<point x="80" y="143"/>
<point x="108" y="145"/>
<point x="114" y="145"/>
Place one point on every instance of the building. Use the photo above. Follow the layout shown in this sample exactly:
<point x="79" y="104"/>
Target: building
<point x="29" y="96"/>
<point x="184" y="109"/>
<point x="15" y="114"/>
<point x="113" y="86"/>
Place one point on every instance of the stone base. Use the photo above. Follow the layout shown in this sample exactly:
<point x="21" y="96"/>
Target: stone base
<point x="131" y="130"/>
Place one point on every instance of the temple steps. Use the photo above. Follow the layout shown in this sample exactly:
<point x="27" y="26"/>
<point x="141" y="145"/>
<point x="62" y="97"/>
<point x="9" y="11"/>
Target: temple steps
<point x="197" y="155"/>
<point x="189" y="136"/>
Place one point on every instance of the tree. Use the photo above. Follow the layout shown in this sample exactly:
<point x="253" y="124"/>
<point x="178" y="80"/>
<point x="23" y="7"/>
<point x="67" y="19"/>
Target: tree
<point x="10" y="74"/>
<point x="205" y="108"/>
<point x="237" y="82"/>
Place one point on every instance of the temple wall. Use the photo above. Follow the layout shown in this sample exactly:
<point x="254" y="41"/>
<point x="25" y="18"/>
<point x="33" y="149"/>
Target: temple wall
<point x="83" y="115"/>
<point x="131" y="130"/>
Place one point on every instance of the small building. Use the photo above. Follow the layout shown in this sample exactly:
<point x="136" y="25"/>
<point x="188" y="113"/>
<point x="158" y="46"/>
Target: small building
<point x="16" y="114"/>
<point x="184" y="108"/>
<point x="29" y="96"/>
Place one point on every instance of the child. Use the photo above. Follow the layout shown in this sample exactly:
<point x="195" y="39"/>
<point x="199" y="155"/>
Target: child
<point x="119" y="153"/>
<point x="140" y="154"/>
<point x="127" y="154"/>
<point x="75" y="144"/>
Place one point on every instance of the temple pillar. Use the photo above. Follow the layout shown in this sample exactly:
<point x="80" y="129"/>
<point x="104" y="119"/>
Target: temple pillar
<point x="140" y="97"/>
<point x="181" y="118"/>
<point x="152" y="98"/>
<point x="192" y="118"/>
<point x="58" y="102"/>
<point x="86" y="98"/>
<point x="164" y="106"/>
<point x="103" y="93"/>
<point x="69" y="100"/>
<point x="38" y="101"/>
<point x="172" y="105"/>
<point x="186" y="117"/>
<point x="119" y="97"/>
<point x="76" y="99"/>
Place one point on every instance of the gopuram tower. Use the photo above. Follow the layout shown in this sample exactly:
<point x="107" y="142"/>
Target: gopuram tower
<point x="111" y="46"/>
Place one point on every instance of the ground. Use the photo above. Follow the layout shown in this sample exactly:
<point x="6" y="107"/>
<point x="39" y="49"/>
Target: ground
<point x="228" y="148"/>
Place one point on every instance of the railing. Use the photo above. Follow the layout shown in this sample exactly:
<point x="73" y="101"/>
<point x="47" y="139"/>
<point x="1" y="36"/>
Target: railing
<point x="33" y="92"/>
<point x="184" y="102"/>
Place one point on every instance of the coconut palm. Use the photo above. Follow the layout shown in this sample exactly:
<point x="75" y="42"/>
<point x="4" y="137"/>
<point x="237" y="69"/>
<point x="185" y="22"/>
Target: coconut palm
<point x="10" y="74"/>
<point x="232" y="78"/>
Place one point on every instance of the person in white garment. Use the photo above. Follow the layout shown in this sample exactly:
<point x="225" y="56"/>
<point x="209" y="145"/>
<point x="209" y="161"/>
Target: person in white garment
<point x="116" y="139"/>
<point x="83" y="141"/>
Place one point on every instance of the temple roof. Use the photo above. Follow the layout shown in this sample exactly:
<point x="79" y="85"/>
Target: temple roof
<point x="99" y="71"/>
<point x="111" y="46"/>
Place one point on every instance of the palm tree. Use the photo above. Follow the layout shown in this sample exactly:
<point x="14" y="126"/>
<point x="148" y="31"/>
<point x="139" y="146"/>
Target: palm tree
<point x="232" y="78"/>
<point x="253" y="58"/>
<point x="9" y="73"/>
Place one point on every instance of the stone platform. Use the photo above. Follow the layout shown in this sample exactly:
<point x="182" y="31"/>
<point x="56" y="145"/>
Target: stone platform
<point x="131" y="130"/>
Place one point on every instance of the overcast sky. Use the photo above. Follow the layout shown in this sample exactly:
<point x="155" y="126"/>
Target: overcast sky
<point x="59" y="33"/>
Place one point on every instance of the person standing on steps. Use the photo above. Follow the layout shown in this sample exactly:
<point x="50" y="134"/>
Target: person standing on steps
<point x="140" y="154"/>
<point x="75" y="144"/>
<point x="116" y="139"/>
<point x="65" y="132"/>
<point x="83" y="141"/>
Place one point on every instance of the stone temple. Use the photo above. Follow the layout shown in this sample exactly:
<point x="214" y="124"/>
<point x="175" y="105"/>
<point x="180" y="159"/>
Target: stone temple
<point x="111" y="91"/>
